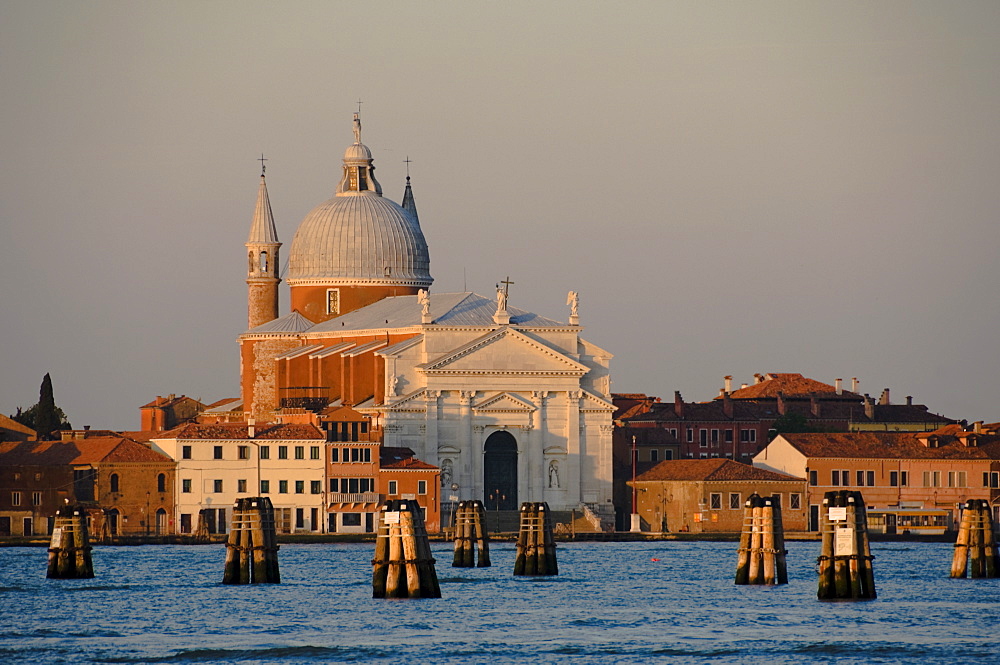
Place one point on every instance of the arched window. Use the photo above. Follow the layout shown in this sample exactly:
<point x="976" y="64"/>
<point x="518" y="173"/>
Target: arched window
<point x="250" y="258"/>
<point x="161" y="483"/>
<point x="263" y="261"/>
<point x="114" y="482"/>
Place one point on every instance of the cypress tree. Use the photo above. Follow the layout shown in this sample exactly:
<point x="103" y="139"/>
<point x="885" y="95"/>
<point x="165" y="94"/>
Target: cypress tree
<point x="46" y="418"/>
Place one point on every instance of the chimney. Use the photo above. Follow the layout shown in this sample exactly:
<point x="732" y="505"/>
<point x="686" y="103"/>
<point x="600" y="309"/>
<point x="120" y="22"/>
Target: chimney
<point x="758" y="378"/>
<point x="678" y="404"/>
<point x="722" y="391"/>
<point x="909" y="400"/>
<point x="837" y="386"/>
<point x="729" y="383"/>
<point x="742" y="386"/>
<point x="884" y="398"/>
<point x="854" y="384"/>
<point x="869" y="407"/>
<point x="977" y="427"/>
<point x="727" y="404"/>
<point x="781" y="403"/>
<point x="814" y="406"/>
<point x="251" y="427"/>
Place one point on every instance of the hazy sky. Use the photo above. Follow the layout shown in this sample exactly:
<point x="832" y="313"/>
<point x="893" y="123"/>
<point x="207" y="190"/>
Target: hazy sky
<point x="732" y="187"/>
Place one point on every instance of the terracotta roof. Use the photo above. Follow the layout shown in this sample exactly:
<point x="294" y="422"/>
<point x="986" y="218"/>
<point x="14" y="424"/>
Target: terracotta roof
<point x="11" y="424"/>
<point x="791" y="385"/>
<point x="168" y="401"/>
<point x="886" y="445"/>
<point x="391" y="454"/>
<point x="410" y="463"/>
<point x="710" y="469"/>
<point x="233" y="431"/>
<point x="78" y="451"/>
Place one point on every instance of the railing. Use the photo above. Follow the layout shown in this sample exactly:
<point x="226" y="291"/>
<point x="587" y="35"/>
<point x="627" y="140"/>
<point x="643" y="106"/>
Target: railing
<point x="363" y="497"/>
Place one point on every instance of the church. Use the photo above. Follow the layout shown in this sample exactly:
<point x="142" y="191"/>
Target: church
<point x="510" y="405"/>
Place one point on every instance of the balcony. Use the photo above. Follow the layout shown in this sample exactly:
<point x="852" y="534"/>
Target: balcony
<point x="362" y="497"/>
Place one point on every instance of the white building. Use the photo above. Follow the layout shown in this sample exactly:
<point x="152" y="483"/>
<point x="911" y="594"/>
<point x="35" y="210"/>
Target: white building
<point x="219" y="463"/>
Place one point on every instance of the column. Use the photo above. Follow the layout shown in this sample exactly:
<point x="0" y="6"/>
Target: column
<point x="464" y="462"/>
<point x="430" y="451"/>
<point x="573" y="476"/>
<point x="536" y="449"/>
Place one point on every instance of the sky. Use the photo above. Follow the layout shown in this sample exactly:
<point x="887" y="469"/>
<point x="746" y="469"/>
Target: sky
<point x="731" y="187"/>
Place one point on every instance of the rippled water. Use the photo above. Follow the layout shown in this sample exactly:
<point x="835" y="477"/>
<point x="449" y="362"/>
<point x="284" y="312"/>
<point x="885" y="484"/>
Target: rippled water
<point x="611" y="603"/>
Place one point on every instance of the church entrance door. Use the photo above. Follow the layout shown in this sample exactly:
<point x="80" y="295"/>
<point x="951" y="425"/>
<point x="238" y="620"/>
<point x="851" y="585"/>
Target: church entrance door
<point x="500" y="472"/>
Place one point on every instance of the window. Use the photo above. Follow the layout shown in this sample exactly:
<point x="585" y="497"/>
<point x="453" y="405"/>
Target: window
<point x="421" y="487"/>
<point x="904" y="478"/>
<point x="690" y="435"/>
<point x="186" y="485"/>
<point x="265" y="487"/>
<point x="351" y="519"/>
<point x="748" y="435"/>
<point x="728" y="436"/>
<point x="243" y="452"/>
<point x="359" y="454"/>
<point x="114" y="482"/>
<point x="932" y="479"/>
<point x="300" y="518"/>
<point x="333" y="301"/>
<point x="185" y="522"/>
<point x="300" y="487"/>
<point x="795" y="501"/>
<point x="673" y="432"/>
<point x="161" y="483"/>
<point x="335" y="455"/>
<point x="392" y="488"/>
<point x="840" y="477"/>
<point x="813" y="477"/>
<point x="367" y="485"/>
<point x="36" y="498"/>
<point x="282" y="487"/>
<point x="956" y="479"/>
<point x="334" y="485"/>
<point x="282" y="452"/>
<point x="734" y="501"/>
<point x="991" y="479"/>
<point x="300" y="452"/>
<point x="185" y="452"/>
<point x="703" y="438"/>
<point x="263" y="261"/>
<point x="217" y="486"/>
<point x="668" y="454"/>
<point x="314" y="452"/>
<point x="217" y="453"/>
<point x="715" y="438"/>
<point x="866" y="478"/>
<point x="715" y="499"/>
<point x="962" y="480"/>
<point x="316" y="486"/>
<point x="654" y="455"/>
<point x="265" y="452"/>
<point x="894" y="479"/>
<point x="241" y="486"/>
<point x="15" y="498"/>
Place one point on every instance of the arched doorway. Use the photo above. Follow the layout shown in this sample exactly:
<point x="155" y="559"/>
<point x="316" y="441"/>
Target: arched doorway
<point x="161" y="522"/>
<point x="500" y="471"/>
<point x="112" y="521"/>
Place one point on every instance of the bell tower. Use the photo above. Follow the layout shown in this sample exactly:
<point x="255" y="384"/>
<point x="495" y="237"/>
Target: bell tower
<point x="263" y="261"/>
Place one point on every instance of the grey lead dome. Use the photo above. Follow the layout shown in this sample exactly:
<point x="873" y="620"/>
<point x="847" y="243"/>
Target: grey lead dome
<point x="358" y="236"/>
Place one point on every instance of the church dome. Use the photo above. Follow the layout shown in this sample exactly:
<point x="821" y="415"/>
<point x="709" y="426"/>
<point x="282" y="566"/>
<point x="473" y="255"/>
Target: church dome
<point x="358" y="237"/>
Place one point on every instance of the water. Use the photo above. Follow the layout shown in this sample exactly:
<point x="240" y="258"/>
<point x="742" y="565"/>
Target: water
<point x="611" y="603"/>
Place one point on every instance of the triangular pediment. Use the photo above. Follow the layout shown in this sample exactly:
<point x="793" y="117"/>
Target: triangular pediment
<point x="505" y="402"/>
<point x="592" y="402"/>
<point x="505" y="351"/>
<point x="412" y="402"/>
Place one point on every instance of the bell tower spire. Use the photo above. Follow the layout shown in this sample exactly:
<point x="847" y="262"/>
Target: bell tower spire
<point x="263" y="260"/>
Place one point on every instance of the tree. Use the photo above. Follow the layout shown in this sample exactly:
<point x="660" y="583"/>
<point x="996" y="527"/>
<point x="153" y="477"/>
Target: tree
<point x="44" y="417"/>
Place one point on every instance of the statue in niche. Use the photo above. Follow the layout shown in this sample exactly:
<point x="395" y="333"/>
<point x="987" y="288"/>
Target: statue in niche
<point x="446" y="472"/>
<point x="573" y="300"/>
<point x="393" y="383"/>
<point x="554" y="474"/>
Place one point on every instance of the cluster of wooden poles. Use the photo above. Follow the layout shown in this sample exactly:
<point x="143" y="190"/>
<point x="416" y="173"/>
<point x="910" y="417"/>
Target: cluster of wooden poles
<point x="762" y="543"/>
<point x="252" y="548"/>
<point x="470" y="535"/>
<point x="536" y="543"/>
<point x="403" y="566"/>
<point x="69" y="549"/>
<point x="845" y="560"/>
<point x="976" y="547"/>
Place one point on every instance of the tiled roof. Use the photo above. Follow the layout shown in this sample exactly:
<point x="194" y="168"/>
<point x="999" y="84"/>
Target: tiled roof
<point x="239" y="431"/>
<point x="78" y="451"/>
<point x="391" y="454"/>
<point x="885" y="445"/>
<point x="292" y="322"/>
<point x="791" y="385"/>
<point x="11" y="424"/>
<point x="710" y="469"/>
<point x="410" y="463"/>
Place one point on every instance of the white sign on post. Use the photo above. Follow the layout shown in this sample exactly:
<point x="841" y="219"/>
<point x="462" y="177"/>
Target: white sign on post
<point x="844" y="541"/>
<point x="837" y="514"/>
<point x="391" y="517"/>
<point x="56" y="537"/>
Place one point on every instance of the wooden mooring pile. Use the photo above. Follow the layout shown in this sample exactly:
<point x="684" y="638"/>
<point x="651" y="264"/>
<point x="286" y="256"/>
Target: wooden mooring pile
<point x="470" y="535"/>
<point x="845" y="561"/>
<point x="536" y="544"/>
<point x="252" y="548"/>
<point x="69" y="549"/>
<point x="403" y="566"/>
<point x="762" y="543"/>
<point x="976" y="546"/>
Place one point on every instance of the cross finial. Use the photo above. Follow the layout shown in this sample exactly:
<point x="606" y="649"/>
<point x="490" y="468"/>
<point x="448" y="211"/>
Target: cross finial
<point x="263" y="167"/>
<point x="407" y="161"/>
<point x="359" y="105"/>
<point x="506" y="285"/>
